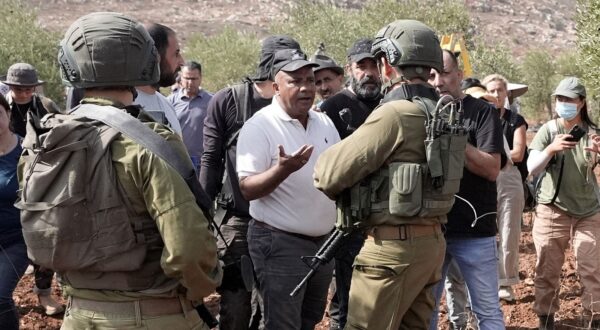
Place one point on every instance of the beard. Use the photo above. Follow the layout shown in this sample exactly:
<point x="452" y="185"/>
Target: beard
<point x="366" y="92"/>
<point x="167" y="77"/>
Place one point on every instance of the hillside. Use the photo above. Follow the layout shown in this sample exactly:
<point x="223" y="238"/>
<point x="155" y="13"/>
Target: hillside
<point x="517" y="24"/>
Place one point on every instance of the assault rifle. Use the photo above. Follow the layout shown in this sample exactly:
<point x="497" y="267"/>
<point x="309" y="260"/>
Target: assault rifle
<point x="323" y="256"/>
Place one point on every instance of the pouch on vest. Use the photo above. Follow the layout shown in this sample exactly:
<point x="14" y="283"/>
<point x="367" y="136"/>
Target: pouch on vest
<point x="427" y="190"/>
<point x="353" y="206"/>
<point x="72" y="210"/>
<point x="406" y="189"/>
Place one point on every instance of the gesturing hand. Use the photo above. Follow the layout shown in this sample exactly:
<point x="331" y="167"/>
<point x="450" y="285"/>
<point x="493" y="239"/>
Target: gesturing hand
<point x="296" y="160"/>
<point x="594" y="143"/>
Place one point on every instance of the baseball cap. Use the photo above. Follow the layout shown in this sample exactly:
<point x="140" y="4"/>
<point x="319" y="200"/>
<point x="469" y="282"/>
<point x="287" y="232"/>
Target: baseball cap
<point x="326" y="62"/>
<point x="289" y="60"/>
<point x="22" y="74"/>
<point x="570" y="87"/>
<point x="360" y="50"/>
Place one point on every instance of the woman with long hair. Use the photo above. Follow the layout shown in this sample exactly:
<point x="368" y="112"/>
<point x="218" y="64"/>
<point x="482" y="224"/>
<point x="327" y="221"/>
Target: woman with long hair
<point x="568" y="209"/>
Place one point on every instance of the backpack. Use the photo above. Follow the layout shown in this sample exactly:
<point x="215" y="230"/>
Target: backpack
<point x="242" y="97"/>
<point x="530" y="187"/>
<point x="74" y="213"/>
<point x="72" y="209"/>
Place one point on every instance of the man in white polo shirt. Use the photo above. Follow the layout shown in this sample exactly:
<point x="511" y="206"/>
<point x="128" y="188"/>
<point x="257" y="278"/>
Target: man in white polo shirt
<point x="276" y="153"/>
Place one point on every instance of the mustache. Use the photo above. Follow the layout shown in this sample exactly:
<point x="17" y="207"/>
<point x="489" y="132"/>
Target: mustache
<point x="367" y="80"/>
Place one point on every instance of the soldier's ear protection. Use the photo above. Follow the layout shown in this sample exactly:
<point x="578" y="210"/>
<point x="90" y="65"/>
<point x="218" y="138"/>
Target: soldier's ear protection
<point x="391" y="50"/>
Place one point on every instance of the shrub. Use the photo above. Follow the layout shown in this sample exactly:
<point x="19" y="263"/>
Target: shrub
<point x="22" y="40"/>
<point x="225" y="57"/>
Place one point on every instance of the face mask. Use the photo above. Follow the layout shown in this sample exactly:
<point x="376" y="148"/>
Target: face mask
<point x="566" y="110"/>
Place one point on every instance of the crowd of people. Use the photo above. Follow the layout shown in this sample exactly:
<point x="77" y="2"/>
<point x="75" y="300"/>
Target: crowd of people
<point x="207" y="208"/>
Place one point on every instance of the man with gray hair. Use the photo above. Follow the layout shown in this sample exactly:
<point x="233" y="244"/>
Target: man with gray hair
<point x="348" y="109"/>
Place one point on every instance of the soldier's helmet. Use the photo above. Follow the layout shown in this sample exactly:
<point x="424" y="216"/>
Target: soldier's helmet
<point x="107" y="49"/>
<point x="408" y="43"/>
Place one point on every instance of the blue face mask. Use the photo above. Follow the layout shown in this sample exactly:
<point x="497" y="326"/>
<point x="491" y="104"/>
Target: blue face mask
<point x="566" y="110"/>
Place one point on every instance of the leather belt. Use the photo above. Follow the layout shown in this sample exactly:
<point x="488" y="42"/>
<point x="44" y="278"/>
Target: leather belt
<point x="147" y="307"/>
<point x="403" y="232"/>
<point x="306" y="237"/>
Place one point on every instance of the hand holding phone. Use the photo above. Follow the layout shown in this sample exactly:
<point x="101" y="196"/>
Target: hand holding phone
<point x="577" y="133"/>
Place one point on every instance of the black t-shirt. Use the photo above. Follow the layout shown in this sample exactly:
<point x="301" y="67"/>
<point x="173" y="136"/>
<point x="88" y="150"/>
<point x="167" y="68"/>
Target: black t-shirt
<point x="220" y="124"/>
<point x="19" y="116"/>
<point x="510" y="122"/>
<point x="357" y="113"/>
<point x="485" y="133"/>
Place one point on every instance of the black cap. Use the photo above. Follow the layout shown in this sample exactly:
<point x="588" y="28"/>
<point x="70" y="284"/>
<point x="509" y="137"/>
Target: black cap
<point x="269" y="46"/>
<point x="360" y="50"/>
<point x="289" y="60"/>
<point x="470" y="82"/>
<point x="326" y="62"/>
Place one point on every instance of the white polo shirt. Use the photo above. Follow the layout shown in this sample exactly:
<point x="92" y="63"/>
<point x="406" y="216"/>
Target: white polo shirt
<point x="295" y="205"/>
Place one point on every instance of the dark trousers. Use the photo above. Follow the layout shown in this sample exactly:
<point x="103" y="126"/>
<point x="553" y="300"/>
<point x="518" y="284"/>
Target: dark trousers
<point x="43" y="280"/>
<point x="240" y="308"/>
<point x="13" y="262"/>
<point x="338" y="307"/>
<point x="276" y="257"/>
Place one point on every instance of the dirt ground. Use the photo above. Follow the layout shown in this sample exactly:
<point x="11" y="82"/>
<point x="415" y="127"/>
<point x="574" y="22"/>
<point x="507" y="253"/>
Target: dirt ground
<point x="518" y="315"/>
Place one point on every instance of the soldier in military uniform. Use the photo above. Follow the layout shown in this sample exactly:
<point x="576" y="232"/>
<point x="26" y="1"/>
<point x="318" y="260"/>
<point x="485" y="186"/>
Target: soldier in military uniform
<point x="181" y="264"/>
<point x="401" y="259"/>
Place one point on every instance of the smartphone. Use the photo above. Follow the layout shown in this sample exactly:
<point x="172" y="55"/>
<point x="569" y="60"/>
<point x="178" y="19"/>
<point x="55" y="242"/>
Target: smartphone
<point x="577" y="133"/>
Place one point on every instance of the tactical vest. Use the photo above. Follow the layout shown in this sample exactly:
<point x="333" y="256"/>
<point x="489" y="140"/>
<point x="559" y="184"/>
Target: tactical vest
<point x="407" y="189"/>
<point x="75" y="215"/>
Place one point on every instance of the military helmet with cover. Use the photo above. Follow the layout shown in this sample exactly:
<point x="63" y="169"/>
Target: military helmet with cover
<point x="107" y="49"/>
<point x="408" y="43"/>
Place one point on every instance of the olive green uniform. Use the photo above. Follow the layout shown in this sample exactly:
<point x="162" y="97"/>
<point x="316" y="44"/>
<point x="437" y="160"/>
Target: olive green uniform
<point x="188" y="258"/>
<point x="401" y="260"/>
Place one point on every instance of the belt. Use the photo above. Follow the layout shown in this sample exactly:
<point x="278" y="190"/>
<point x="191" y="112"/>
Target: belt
<point x="403" y="232"/>
<point x="147" y="307"/>
<point x="306" y="237"/>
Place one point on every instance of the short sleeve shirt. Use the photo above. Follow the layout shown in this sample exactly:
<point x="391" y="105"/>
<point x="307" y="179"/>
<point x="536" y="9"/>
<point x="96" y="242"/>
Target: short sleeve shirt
<point x="295" y="205"/>
<point x="484" y="133"/>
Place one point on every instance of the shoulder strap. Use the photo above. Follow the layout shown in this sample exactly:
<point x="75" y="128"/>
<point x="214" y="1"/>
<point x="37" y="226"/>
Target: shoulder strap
<point x="146" y="137"/>
<point x="553" y="127"/>
<point x="137" y="131"/>
<point x="241" y="97"/>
